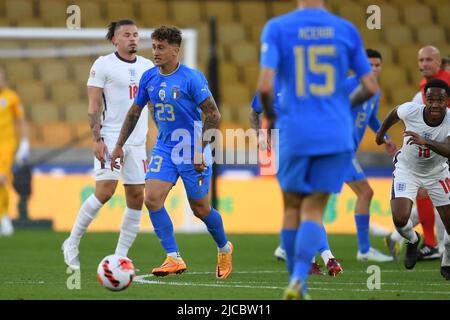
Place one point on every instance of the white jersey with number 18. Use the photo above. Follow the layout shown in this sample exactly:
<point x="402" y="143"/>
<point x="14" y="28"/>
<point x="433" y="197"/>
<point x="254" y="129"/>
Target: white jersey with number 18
<point x="119" y="79"/>
<point x="415" y="159"/>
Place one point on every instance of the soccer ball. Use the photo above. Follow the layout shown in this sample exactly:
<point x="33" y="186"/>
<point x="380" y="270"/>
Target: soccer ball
<point x="115" y="272"/>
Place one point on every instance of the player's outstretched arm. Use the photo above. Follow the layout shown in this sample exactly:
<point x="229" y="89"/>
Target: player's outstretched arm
<point x="442" y="148"/>
<point x="367" y="89"/>
<point x="95" y="115"/>
<point x="265" y="87"/>
<point x="391" y="119"/>
<point x="127" y="128"/>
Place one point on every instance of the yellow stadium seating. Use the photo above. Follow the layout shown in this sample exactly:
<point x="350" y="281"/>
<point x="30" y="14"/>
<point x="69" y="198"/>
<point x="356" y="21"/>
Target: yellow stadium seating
<point x="230" y="33"/>
<point x="280" y="7"/>
<point x="430" y="35"/>
<point x="56" y="134"/>
<point x="354" y="13"/>
<point x="234" y="94"/>
<point x="31" y="91"/>
<point x="251" y="72"/>
<point x="19" y="70"/>
<point x="44" y="112"/>
<point x="75" y="111"/>
<point x="222" y="10"/>
<point x="116" y="10"/>
<point x="64" y="92"/>
<point x="243" y="53"/>
<point x="251" y="12"/>
<point x="407" y="55"/>
<point x="393" y="76"/>
<point x="398" y="34"/>
<point x="52" y="71"/>
<point x="153" y="13"/>
<point x="186" y="13"/>
<point x="53" y="12"/>
<point x="417" y="15"/>
<point x="442" y="14"/>
<point x="19" y="9"/>
<point x="228" y="73"/>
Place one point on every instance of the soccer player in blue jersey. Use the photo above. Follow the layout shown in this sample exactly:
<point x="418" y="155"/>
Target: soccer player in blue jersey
<point x="178" y="96"/>
<point x="333" y="266"/>
<point x="311" y="52"/>
<point x="365" y="115"/>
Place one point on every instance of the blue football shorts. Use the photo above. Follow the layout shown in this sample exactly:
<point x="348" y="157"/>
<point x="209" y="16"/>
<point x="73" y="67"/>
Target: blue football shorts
<point x="163" y="166"/>
<point x="307" y="174"/>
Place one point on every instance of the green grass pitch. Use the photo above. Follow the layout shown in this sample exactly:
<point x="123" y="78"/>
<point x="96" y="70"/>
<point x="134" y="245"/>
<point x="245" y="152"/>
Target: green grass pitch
<point x="32" y="267"/>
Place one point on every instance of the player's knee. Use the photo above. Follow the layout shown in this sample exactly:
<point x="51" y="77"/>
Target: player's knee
<point x="135" y="201"/>
<point x="200" y="211"/>
<point x="400" y="220"/>
<point x="367" y="193"/>
<point x="153" y="202"/>
<point x="104" y="195"/>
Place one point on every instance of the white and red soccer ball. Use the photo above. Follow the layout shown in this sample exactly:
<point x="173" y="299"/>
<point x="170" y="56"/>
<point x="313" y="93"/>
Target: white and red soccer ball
<point x="115" y="272"/>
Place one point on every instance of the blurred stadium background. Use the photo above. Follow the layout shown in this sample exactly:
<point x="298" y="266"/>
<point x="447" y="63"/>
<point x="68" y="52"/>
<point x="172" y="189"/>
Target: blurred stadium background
<point x="52" y="87"/>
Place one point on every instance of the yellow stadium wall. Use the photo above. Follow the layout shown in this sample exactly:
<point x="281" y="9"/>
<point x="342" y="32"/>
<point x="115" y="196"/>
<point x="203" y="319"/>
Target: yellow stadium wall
<point x="247" y="206"/>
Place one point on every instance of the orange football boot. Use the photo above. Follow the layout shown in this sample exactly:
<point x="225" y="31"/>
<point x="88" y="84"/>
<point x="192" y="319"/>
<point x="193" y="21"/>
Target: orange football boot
<point x="224" y="263"/>
<point x="170" y="266"/>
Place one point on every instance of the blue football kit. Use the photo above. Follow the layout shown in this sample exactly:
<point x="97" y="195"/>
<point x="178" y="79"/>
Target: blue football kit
<point x="176" y="98"/>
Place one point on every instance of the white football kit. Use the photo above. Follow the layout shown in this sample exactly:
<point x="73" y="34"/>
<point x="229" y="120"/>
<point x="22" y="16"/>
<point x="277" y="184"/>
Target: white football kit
<point x="119" y="79"/>
<point x="418" y="166"/>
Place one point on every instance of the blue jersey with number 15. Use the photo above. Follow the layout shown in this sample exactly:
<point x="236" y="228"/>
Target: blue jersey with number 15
<point x="176" y="98"/>
<point x="312" y="51"/>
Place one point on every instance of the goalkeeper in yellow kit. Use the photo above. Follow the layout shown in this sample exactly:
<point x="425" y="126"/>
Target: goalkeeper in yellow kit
<point x="14" y="146"/>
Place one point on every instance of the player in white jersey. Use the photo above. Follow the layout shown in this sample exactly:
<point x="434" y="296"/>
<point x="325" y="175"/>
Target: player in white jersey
<point x="422" y="163"/>
<point x="113" y="82"/>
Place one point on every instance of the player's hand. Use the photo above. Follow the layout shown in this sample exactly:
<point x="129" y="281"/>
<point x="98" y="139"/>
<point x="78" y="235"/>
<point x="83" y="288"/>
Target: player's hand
<point x="23" y="152"/>
<point x="390" y="147"/>
<point x="100" y="151"/>
<point x="117" y="154"/>
<point x="199" y="162"/>
<point x="414" y="138"/>
<point x="379" y="139"/>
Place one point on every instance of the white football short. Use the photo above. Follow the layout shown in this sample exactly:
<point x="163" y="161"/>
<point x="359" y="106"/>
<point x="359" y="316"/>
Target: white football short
<point x="406" y="185"/>
<point x="134" y="165"/>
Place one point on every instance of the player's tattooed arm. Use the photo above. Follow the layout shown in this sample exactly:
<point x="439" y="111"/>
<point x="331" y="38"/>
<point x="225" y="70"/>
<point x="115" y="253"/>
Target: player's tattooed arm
<point x="129" y="124"/>
<point x="95" y="111"/>
<point x="391" y="119"/>
<point x="365" y="90"/>
<point x="255" y="119"/>
<point x="212" y="116"/>
<point x="441" y="148"/>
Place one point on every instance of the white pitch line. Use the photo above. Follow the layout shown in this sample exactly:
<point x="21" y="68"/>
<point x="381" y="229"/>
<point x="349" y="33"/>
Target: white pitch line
<point x="193" y="284"/>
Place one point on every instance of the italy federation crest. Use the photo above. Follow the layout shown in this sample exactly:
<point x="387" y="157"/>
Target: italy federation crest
<point x="175" y="92"/>
<point x="162" y="94"/>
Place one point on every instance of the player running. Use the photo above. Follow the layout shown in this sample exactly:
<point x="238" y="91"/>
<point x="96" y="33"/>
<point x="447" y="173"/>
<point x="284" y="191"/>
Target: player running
<point x="178" y="95"/>
<point x="113" y="81"/>
<point x="311" y="52"/>
<point x="365" y="115"/>
<point x="422" y="162"/>
<point x="334" y="268"/>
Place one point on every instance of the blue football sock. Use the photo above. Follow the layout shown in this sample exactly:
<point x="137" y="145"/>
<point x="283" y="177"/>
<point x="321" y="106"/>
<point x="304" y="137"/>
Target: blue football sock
<point x="308" y="241"/>
<point x="287" y="237"/>
<point x="324" y="245"/>
<point x="164" y="230"/>
<point x="282" y="242"/>
<point x="362" y="228"/>
<point x="215" y="227"/>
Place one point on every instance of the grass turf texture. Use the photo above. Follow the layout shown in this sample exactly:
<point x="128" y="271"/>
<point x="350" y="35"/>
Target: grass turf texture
<point x="32" y="267"/>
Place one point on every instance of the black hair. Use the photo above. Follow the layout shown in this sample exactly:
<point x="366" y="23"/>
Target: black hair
<point x="437" y="83"/>
<point x="114" y="25"/>
<point x="170" y="33"/>
<point x="372" y="53"/>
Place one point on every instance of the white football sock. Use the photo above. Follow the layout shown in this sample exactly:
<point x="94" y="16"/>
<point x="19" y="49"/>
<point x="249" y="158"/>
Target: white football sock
<point x="225" y="249"/>
<point x="326" y="255"/>
<point x="408" y="232"/>
<point x="414" y="217"/>
<point x="397" y="237"/>
<point x="446" y="255"/>
<point x="175" y="255"/>
<point x="440" y="231"/>
<point x="87" y="213"/>
<point x="128" y="231"/>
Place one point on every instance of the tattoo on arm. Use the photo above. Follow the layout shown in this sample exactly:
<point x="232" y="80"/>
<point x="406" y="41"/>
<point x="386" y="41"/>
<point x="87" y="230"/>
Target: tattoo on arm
<point x="95" y="124"/>
<point x="267" y="104"/>
<point x="129" y="124"/>
<point x="212" y="116"/>
<point x="255" y="120"/>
